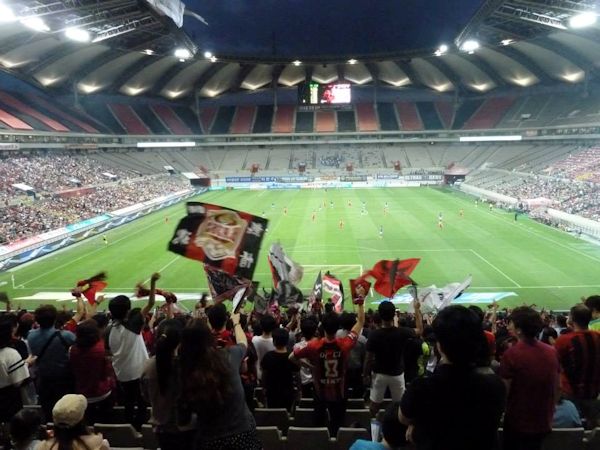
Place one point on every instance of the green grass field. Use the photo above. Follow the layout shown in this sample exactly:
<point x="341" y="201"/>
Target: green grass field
<point x="541" y="265"/>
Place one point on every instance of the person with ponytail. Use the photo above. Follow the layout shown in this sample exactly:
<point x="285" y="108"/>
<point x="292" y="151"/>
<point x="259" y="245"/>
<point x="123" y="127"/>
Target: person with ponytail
<point x="212" y="397"/>
<point x="160" y="386"/>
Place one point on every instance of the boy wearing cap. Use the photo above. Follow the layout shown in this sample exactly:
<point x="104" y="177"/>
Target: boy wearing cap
<point x="70" y="430"/>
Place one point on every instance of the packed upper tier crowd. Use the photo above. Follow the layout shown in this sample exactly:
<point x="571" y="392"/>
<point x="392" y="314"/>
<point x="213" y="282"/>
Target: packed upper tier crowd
<point x="460" y="369"/>
<point x="28" y="219"/>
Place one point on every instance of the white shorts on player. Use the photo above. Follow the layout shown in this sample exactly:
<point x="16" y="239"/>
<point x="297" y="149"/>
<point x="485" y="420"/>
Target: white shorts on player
<point x="382" y="382"/>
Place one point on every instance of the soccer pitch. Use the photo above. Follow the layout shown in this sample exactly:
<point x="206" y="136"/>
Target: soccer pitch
<point x="539" y="264"/>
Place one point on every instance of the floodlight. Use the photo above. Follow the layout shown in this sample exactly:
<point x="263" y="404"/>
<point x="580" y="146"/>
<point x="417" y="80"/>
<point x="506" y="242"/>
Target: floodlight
<point x="77" y="34"/>
<point x="35" y="23"/>
<point x="182" y="53"/>
<point x="6" y="14"/>
<point x="469" y="46"/>
<point x="442" y="49"/>
<point x="148" y="51"/>
<point x="208" y="55"/>
<point x="582" y="20"/>
<point x="352" y="61"/>
<point x="506" y="42"/>
<point x="213" y="58"/>
<point x="297" y="62"/>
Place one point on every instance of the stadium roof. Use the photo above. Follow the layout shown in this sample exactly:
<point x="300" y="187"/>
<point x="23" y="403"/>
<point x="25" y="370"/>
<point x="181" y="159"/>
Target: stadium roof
<point x="131" y="45"/>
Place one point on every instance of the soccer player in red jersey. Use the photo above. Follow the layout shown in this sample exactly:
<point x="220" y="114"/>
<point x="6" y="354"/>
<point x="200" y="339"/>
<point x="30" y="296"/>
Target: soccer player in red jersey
<point x="329" y="357"/>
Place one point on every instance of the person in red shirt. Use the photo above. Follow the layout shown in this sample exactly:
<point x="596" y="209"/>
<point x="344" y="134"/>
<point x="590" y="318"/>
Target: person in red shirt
<point x="530" y="370"/>
<point x="329" y="358"/>
<point x="579" y="356"/>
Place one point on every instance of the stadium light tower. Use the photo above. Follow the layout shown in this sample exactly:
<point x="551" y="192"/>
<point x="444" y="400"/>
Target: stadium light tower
<point x="442" y="50"/>
<point x="469" y="46"/>
<point x="6" y="14"/>
<point x="583" y="20"/>
<point x="297" y="62"/>
<point x="182" y="53"/>
<point x="208" y="55"/>
<point x="35" y="23"/>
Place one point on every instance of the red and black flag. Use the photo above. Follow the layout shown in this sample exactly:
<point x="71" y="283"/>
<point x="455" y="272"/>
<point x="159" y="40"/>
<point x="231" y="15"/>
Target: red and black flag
<point x="142" y="291"/>
<point x="282" y="267"/>
<point x="91" y="286"/>
<point x="334" y="287"/>
<point x="222" y="285"/>
<point x="316" y="296"/>
<point x="220" y="237"/>
<point x="391" y="275"/>
<point x="357" y="297"/>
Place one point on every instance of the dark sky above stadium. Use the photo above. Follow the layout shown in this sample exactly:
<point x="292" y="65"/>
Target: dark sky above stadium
<point x="325" y="27"/>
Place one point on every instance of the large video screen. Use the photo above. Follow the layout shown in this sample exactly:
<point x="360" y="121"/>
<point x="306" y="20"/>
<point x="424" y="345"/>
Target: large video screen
<point x="325" y="94"/>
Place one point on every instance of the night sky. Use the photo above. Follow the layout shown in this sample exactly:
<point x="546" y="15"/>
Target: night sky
<point x="326" y="27"/>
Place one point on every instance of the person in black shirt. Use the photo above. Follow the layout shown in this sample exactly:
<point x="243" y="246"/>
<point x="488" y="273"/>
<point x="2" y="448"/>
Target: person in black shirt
<point x="280" y="375"/>
<point x="456" y="408"/>
<point x="385" y="349"/>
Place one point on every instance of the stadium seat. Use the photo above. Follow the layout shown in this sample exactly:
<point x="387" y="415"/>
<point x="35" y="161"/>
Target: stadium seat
<point x="591" y="440"/>
<point x="118" y="415"/>
<point x="119" y="435"/>
<point x="307" y="438"/>
<point x="266" y="417"/>
<point x="355" y="403"/>
<point x="149" y="438"/>
<point x="347" y="436"/>
<point x="304" y="417"/>
<point x="362" y="417"/>
<point x="270" y="438"/>
<point x="566" y="438"/>
<point x="306" y="403"/>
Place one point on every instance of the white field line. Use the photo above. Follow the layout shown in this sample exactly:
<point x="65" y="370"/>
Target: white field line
<point x="164" y="267"/>
<point x="86" y="255"/>
<point x="496" y="268"/>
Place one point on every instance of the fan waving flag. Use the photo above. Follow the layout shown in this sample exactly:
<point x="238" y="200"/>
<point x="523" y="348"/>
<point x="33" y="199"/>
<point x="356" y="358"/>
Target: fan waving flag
<point x="223" y="286"/>
<point x="282" y="267"/>
<point x="316" y="296"/>
<point x="220" y="237"/>
<point x="334" y="287"/>
<point x="391" y="275"/>
<point x="91" y="286"/>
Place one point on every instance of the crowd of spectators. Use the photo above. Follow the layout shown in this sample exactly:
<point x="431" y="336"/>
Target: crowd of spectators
<point x="53" y="172"/>
<point x="454" y="378"/>
<point x="20" y="221"/>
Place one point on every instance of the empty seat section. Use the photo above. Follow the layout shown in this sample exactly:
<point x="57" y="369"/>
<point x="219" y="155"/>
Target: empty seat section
<point x="223" y="120"/>
<point x="25" y="109"/>
<point x="429" y="116"/>
<point x="305" y="122"/>
<point x="189" y="117"/>
<point x="13" y="122"/>
<point x="367" y="118"/>
<point x="171" y="120"/>
<point x="445" y="112"/>
<point x="243" y="120"/>
<point x="464" y="113"/>
<point x="346" y="121"/>
<point x="284" y="119"/>
<point x="489" y="114"/>
<point x="99" y="110"/>
<point x="59" y="112"/>
<point x="264" y="119"/>
<point x="325" y="121"/>
<point x="387" y="117"/>
<point x="409" y="116"/>
<point x="207" y="118"/>
<point x="128" y="118"/>
<point x="146" y="114"/>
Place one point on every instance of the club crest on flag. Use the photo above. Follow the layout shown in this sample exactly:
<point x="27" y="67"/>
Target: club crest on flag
<point x="224" y="238"/>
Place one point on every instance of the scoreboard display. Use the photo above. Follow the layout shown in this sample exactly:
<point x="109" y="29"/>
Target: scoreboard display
<point x="324" y="94"/>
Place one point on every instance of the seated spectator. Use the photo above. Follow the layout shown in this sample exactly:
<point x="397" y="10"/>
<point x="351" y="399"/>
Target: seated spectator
<point x="566" y="415"/>
<point x="530" y="370"/>
<point x="70" y="431"/>
<point x="393" y="433"/>
<point x="212" y="391"/>
<point x="456" y="408"/>
<point x="94" y="376"/>
<point x="280" y="375"/>
<point x="54" y="378"/>
<point x="25" y="430"/>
